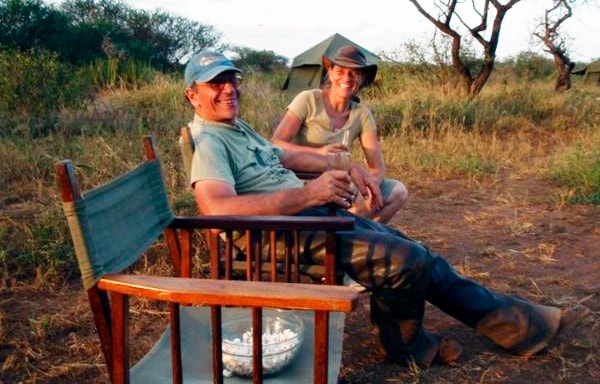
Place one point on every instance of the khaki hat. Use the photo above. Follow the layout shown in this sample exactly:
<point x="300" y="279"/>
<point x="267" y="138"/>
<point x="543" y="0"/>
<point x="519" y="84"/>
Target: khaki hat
<point x="347" y="56"/>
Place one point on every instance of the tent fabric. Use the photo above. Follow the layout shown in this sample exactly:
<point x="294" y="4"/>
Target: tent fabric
<point x="155" y="367"/>
<point x="307" y="68"/>
<point x="591" y="73"/>
<point x="106" y="242"/>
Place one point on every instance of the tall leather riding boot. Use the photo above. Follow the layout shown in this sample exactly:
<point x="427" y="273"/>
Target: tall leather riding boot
<point x="520" y="326"/>
<point x="398" y="317"/>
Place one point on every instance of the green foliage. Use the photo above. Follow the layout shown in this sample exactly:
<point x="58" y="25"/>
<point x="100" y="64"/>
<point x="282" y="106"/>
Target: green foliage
<point x="531" y="66"/>
<point x="83" y="31"/>
<point x="262" y="61"/>
<point x="30" y="23"/>
<point x="36" y="87"/>
<point x="41" y="93"/>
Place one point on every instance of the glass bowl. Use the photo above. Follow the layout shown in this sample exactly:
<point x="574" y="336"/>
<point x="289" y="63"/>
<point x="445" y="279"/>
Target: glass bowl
<point x="283" y="333"/>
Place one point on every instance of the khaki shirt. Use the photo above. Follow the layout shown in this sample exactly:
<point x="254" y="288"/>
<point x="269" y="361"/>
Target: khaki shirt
<point x="316" y="129"/>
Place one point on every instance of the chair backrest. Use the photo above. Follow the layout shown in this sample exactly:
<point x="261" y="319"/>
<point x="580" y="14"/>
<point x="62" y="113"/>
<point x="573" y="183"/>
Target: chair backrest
<point x="114" y="223"/>
<point x="186" y="145"/>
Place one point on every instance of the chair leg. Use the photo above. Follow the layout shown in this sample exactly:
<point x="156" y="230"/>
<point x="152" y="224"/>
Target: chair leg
<point x="257" y="366"/>
<point x="321" y="347"/>
<point x="176" y="365"/>
<point x="217" y="348"/>
<point x="120" y="337"/>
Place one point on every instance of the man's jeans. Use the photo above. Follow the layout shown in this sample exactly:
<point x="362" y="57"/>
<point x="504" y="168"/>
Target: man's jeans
<point x="402" y="274"/>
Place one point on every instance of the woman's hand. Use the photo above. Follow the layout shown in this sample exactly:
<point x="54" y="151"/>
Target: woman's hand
<point x="368" y="186"/>
<point x="335" y="147"/>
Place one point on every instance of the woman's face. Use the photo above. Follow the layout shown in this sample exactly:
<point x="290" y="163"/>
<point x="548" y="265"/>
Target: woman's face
<point x="345" y="81"/>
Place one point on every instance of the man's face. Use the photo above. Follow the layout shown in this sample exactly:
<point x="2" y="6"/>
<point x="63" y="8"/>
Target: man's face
<point x="217" y="99"/>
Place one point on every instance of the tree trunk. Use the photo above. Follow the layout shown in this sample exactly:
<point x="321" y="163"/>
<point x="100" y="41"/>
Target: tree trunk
<point x="564" y="68"/>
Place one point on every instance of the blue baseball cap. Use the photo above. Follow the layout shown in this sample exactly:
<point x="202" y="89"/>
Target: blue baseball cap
<point x="205" y="66"/>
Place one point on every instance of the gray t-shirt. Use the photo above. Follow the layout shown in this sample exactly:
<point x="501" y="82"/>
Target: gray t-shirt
<point x="238" y="155"/>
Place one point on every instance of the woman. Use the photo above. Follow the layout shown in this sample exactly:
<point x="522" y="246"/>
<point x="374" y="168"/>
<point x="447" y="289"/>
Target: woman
<point x="318" y="120"/>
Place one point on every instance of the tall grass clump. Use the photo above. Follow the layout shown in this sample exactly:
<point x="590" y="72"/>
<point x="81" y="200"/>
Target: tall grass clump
<point x="156" y="106"/>
<point x="119" y="73"/>
<point x="263" y="102"/>
<point x="576" y="168"/>
<point x="42" y="95"/>
<point x="401" y="101"/>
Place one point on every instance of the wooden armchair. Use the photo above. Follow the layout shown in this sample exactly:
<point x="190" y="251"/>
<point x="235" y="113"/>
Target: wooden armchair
<point x="114" y="224"/>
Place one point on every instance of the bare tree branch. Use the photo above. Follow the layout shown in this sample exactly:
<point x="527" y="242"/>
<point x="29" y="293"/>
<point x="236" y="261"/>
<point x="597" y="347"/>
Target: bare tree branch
<point x="449" y="9"/>
<point x="555" y="44"/>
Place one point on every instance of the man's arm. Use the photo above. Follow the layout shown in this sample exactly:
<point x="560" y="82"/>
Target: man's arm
<point x="298" y="159"/>
<point x="219" y="198"/>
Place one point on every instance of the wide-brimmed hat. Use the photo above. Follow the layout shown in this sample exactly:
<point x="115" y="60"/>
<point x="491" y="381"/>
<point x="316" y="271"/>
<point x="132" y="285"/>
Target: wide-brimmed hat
<point x="347" y="56"/>
<point x="350" y="56"/>
<point x="205" y="66"/>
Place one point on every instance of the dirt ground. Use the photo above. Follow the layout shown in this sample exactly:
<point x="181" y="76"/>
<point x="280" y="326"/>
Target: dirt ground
<point x="510" y="237"/>
<point x="506" y="233"/>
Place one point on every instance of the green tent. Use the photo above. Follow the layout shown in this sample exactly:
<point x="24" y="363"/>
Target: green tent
<point x="591" y="72"/>
<point x="307" y="68"/>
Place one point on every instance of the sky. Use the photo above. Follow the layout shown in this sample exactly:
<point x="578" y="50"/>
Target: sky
<point x="288" y="28"/>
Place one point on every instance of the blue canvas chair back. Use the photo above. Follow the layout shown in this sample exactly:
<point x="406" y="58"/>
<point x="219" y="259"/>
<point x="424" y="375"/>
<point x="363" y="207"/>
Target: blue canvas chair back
<point x="113" y="224"/>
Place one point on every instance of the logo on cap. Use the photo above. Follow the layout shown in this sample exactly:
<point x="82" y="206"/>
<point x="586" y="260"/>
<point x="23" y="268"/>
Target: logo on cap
<point x="208" y="60"/>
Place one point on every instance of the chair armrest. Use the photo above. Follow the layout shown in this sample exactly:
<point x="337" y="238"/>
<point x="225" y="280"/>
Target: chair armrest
<point x="233" y="292"/>
<point x="302" y="223"/>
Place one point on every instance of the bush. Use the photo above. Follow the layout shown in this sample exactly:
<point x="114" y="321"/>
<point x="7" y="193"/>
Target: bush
<point x="37" y="86"/>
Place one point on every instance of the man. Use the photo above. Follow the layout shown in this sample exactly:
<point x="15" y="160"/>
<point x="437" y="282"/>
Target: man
<point x="236" y="171"/>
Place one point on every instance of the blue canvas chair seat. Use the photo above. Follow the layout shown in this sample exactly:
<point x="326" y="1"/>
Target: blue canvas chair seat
<point x="114" y="224"/>
<point x="155" y="367"/>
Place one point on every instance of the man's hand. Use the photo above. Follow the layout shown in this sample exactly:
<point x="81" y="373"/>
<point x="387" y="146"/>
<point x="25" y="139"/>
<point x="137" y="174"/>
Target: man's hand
<point x="331" y="187"/>
<point x="368" y="186"/>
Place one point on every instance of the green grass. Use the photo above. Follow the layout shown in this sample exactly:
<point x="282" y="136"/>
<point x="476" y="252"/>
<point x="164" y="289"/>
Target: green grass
<point x="576" y="169"/>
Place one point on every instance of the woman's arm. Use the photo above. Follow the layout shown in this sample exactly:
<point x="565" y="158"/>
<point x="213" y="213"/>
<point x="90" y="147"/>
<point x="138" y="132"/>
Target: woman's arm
<point x="372" y="150"/>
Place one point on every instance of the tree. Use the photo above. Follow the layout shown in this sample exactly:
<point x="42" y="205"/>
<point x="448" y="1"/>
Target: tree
<point x="81" y="31"/>
<point x="263" y="61"/>
<point x="30" y="24"/>
<point x="548" y="31"/>
<point x="473" y="78"/>
<point x="155" y="37"/>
